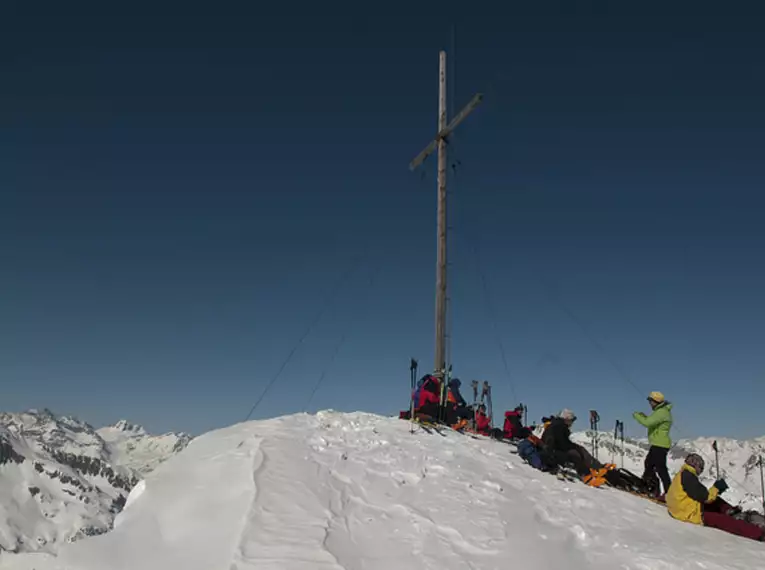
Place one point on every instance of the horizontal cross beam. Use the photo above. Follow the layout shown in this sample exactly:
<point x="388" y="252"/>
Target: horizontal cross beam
<point x="461" y="116"/>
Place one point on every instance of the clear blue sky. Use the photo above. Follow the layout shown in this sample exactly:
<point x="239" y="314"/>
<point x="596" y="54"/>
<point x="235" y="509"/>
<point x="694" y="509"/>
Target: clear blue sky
<point x="181" y="187"/>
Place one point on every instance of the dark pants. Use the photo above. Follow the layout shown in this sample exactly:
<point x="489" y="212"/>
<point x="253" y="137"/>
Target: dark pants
<point x="497" y="433"/>
<point x="656" y="464"/>
<point x="577" y="455"/>
<point x="452" y="414"/>
<point x="733" y="526"/>
<point x="717" y="514"/>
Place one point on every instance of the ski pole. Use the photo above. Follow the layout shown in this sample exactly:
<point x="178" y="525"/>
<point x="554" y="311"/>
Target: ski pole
<point x="490" y="406"/>
<point x="717" y="458"/>
<point x="474" y="385"/>
<point x="613" y="451"/>
<point x="413" y="372"/>
<point x="621" y="433"/>
<point x="444" y="395"/>
<point x="594" y="418"/>
<point x="762" y="485"/>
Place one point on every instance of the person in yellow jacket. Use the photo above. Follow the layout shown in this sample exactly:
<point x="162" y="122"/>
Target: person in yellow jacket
<point x="689" y="501"/>
<point x="686" y="494"/>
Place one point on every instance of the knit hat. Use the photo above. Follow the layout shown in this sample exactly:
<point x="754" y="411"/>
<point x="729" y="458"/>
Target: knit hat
<point x="566" y="414"/>
<point x="696" y="461"/>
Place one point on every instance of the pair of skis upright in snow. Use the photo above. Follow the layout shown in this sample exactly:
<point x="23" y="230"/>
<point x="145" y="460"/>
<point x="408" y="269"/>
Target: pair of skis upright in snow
<point x="485" y="400"/>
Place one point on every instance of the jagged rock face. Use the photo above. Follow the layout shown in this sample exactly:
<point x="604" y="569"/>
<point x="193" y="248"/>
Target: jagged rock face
<point x="63" y="434"/>
<point x="7" y="453"/>
<point x="62" y="480"/>
<point x="95" y="467"/>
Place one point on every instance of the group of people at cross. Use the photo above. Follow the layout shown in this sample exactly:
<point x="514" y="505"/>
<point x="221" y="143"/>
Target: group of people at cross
<point x="686" y="498"/>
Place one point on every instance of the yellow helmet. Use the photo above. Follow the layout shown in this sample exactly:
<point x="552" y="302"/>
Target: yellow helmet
<point x="656" y="397"/>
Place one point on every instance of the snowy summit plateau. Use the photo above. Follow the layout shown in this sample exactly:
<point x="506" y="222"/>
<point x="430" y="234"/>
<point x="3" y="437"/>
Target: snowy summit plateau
<point x="336" y="491"/>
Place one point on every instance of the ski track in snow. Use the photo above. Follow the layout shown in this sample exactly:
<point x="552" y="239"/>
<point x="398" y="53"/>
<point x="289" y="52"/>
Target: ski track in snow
<point x="359" y="492"/>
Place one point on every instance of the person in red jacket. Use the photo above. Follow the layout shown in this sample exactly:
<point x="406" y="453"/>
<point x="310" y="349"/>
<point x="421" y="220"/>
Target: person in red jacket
<point x="482" y="421"/>
<point x="513" y="428"/>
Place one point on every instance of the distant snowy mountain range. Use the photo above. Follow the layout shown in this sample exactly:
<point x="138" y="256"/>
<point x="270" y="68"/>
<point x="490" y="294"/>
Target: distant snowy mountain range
<point x="61" y="479"/>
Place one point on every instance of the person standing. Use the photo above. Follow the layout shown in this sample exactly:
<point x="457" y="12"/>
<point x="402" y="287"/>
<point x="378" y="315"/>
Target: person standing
<point x="659" y="422"/>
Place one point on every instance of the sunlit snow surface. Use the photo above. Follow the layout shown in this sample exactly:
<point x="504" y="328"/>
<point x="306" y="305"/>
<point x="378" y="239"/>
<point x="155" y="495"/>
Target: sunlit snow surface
<point x="360" y="492"/>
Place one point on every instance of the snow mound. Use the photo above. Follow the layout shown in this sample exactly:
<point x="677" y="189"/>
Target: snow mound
<point x="356" y="491"/>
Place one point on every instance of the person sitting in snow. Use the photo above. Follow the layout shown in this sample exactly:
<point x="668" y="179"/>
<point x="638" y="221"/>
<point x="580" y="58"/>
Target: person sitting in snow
<point x="558" y="449"/>
<point x="427" y="406"/>
<point x="513" y="428"/>
<point x="458" y="413"/>
<point x="454" y="395"/>
<point x="427" y="396"/>
<point x="482" y="420"/>
<point x="689" y="501"/>
<point x="658" y="423"/>
<point x="483" y="424"/>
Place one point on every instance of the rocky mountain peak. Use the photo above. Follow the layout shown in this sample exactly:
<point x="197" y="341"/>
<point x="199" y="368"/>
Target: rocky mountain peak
<point x="128" y="428"/>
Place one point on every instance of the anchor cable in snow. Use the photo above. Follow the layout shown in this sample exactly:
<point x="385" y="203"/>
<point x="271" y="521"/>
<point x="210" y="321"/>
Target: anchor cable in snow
<point x="337" y="349"/>
<point x="484" y="281"/>
<point x="589" y="336"/>
<point x="325" y="306"/>
<point x="323" y="374"/>
<point x="491" y="313"/>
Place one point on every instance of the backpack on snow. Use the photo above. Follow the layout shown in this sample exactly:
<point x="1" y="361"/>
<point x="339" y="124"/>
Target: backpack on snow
<point x="627" y="481"/>
<point x="530" y="454"/>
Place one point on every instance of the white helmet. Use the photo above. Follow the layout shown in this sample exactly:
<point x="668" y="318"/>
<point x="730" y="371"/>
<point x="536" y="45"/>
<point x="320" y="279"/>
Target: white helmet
<point x="568" y="415"/>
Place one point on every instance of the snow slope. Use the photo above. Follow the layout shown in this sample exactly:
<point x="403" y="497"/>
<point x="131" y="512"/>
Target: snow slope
<point x="360" y="492"/>
<point x="61" y="481"/>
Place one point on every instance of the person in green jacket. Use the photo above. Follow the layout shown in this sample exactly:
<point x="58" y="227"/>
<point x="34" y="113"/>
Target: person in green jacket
<point x="658" y="423"/>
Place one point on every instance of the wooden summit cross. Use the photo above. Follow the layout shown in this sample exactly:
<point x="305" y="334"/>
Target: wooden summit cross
<point x="439" y="143"/>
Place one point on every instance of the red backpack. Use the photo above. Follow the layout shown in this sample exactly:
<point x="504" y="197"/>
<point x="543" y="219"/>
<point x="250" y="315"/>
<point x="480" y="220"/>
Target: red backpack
<point x="429" y="392"/>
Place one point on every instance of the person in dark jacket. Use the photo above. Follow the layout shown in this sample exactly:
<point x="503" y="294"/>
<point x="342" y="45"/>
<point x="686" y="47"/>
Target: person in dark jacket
<point x="558" y="449"/>
<point x="454" y="393"/>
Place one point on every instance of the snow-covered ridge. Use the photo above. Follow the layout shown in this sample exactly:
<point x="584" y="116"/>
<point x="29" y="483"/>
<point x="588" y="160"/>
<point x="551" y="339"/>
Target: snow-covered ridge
<point x="350" y="491"/>
<point x="60" y="479"/>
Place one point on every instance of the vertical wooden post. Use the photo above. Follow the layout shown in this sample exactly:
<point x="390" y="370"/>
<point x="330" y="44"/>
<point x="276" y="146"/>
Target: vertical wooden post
<point x="440" y="348"/>
<point x="439" y="144"/>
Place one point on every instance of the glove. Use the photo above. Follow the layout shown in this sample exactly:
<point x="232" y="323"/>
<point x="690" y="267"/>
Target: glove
<point x="721" y="485"/>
